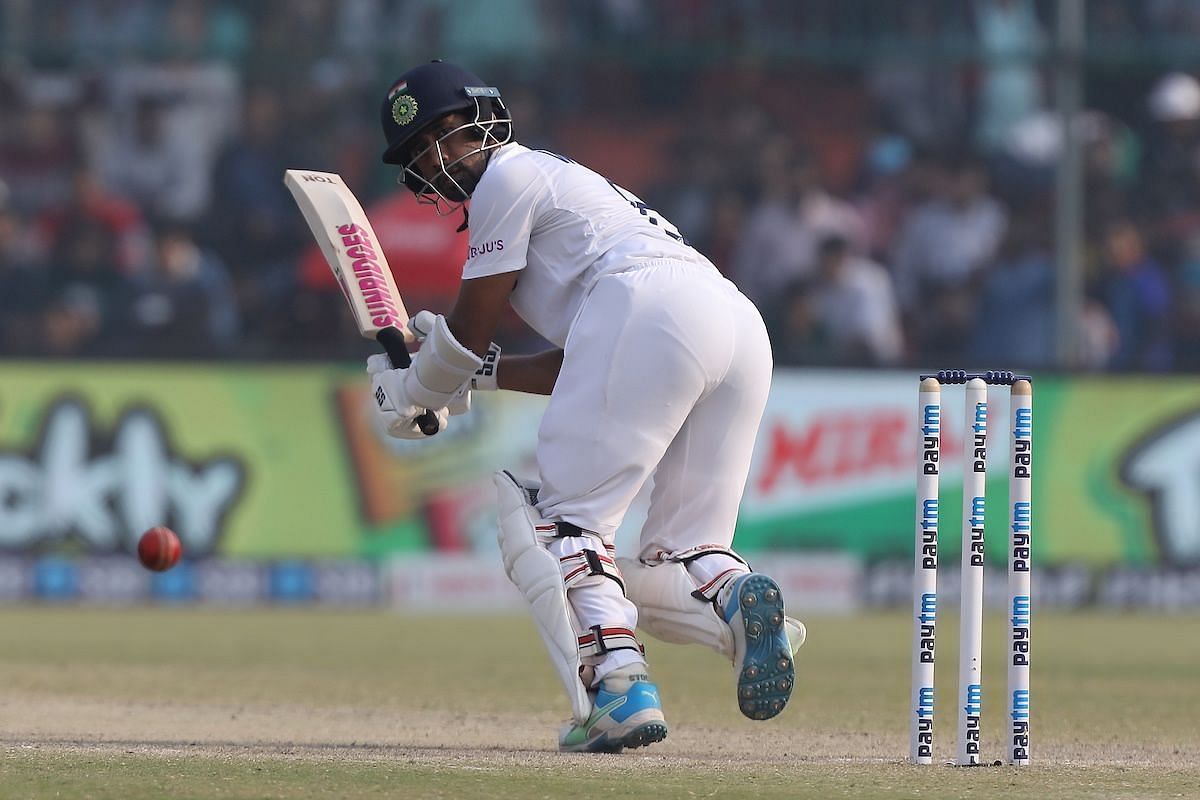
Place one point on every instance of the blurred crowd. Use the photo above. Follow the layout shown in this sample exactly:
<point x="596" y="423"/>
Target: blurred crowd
<point x="878" y="177"/>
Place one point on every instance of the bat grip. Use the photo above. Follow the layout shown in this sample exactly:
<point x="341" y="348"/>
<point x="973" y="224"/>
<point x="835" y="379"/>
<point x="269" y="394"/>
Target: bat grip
<point x="397" y="349"/>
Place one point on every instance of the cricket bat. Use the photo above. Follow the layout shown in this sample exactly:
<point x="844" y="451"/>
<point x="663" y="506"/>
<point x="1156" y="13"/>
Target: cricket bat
<point x="351" y="249"/>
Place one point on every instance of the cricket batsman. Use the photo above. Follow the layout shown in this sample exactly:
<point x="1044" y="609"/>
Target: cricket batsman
<point x="661" y="366"/>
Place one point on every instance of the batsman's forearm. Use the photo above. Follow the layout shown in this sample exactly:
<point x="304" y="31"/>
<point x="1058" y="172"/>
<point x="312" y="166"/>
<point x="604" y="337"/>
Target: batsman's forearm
<point x="533" y="374"/>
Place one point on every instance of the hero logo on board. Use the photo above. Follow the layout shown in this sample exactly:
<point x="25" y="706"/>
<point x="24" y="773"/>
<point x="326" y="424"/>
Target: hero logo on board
<point x="76" y="483"/>
<point x="839" y="446"/>
<point x="1164" y="465"/>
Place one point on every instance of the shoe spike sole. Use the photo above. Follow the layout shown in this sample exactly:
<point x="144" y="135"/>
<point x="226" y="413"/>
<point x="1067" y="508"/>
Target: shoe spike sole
<point x="767" y="671"/>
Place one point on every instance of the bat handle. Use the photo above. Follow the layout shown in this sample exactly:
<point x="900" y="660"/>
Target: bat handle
<point x="397" y="349"/>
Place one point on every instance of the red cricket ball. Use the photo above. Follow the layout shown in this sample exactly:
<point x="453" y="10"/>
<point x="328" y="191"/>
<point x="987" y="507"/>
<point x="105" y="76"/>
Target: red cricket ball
<point x="159" y="548"/>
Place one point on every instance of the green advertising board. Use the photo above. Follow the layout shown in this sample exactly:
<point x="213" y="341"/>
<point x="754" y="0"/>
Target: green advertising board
<point x="240" y="460"/>
<point x="254" y="461"/>
<point x="1116" y="468"/>
<point x="264" y="461"/>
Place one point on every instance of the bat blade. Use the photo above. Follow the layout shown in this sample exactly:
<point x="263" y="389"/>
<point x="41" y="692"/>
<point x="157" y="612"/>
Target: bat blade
<point x="352" y="251"/>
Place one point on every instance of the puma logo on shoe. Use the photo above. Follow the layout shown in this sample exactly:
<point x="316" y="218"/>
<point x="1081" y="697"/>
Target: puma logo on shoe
<point x="600" y="713"/>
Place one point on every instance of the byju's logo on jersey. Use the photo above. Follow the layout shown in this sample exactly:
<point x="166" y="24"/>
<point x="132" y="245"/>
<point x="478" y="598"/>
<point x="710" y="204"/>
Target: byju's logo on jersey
<point x="494" y="246"/>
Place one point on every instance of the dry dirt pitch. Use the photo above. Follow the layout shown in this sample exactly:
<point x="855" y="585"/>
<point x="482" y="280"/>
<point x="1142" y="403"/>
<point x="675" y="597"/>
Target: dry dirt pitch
<point x="292" y="703"/>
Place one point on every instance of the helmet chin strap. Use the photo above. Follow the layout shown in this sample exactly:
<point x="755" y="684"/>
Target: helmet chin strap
<point x="466" y="221"/>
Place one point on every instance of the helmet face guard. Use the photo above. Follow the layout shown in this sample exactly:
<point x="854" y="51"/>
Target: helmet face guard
<point x="489" y="125"/>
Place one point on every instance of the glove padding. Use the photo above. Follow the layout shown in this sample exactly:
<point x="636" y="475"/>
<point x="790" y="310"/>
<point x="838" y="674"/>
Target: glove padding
<point x="460" y="402"/>
<point x="444" y="366"/>
<point x="484" y="379"/>
<point x="398" y="412"/>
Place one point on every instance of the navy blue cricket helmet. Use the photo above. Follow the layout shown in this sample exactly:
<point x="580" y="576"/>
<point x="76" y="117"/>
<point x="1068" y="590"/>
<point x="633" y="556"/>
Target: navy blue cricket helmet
<point x="426" y="93"/>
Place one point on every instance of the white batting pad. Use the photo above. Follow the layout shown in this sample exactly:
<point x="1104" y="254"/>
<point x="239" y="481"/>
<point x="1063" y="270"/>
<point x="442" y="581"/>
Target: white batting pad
<point x="668" y="611"/>
<point x="538" y="576"/>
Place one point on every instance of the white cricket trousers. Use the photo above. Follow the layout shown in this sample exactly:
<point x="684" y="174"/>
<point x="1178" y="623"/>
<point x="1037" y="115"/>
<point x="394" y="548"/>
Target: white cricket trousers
<point x="666" y="371"/>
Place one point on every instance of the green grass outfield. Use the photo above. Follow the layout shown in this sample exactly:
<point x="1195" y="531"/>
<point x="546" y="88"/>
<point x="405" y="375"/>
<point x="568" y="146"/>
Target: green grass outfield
<point x="154" y="703"/>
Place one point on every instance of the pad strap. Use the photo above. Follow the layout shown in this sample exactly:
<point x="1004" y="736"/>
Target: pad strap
<point x="691" y="554"/>
<point x="598" y="641"/>
<point x="709" y="591"/>
<point x="595" y="561"/>
<point x="586" y="563"/>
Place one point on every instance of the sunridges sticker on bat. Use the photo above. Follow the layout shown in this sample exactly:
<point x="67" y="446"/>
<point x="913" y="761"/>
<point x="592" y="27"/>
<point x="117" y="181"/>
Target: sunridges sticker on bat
<point x="350" y="247"/>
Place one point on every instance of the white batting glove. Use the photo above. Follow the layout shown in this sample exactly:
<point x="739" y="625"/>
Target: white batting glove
<point x="484" y="379"/>
<point x="422" y="323"/>
<point x="378" y="363"/>
<point x="398" y="412"/>
<point x="460" y="403"/>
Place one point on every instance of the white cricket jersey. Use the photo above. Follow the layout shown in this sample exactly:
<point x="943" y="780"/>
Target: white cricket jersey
<point x="564" y="226"/>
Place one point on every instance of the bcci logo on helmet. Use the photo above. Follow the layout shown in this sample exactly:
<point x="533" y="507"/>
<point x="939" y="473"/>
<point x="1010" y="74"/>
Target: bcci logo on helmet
<point x="404" y="109"/>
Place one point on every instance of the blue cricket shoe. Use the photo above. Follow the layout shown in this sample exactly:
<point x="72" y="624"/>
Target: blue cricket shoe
<point x="620" y="719"/>
<point x="763" y="654"/>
